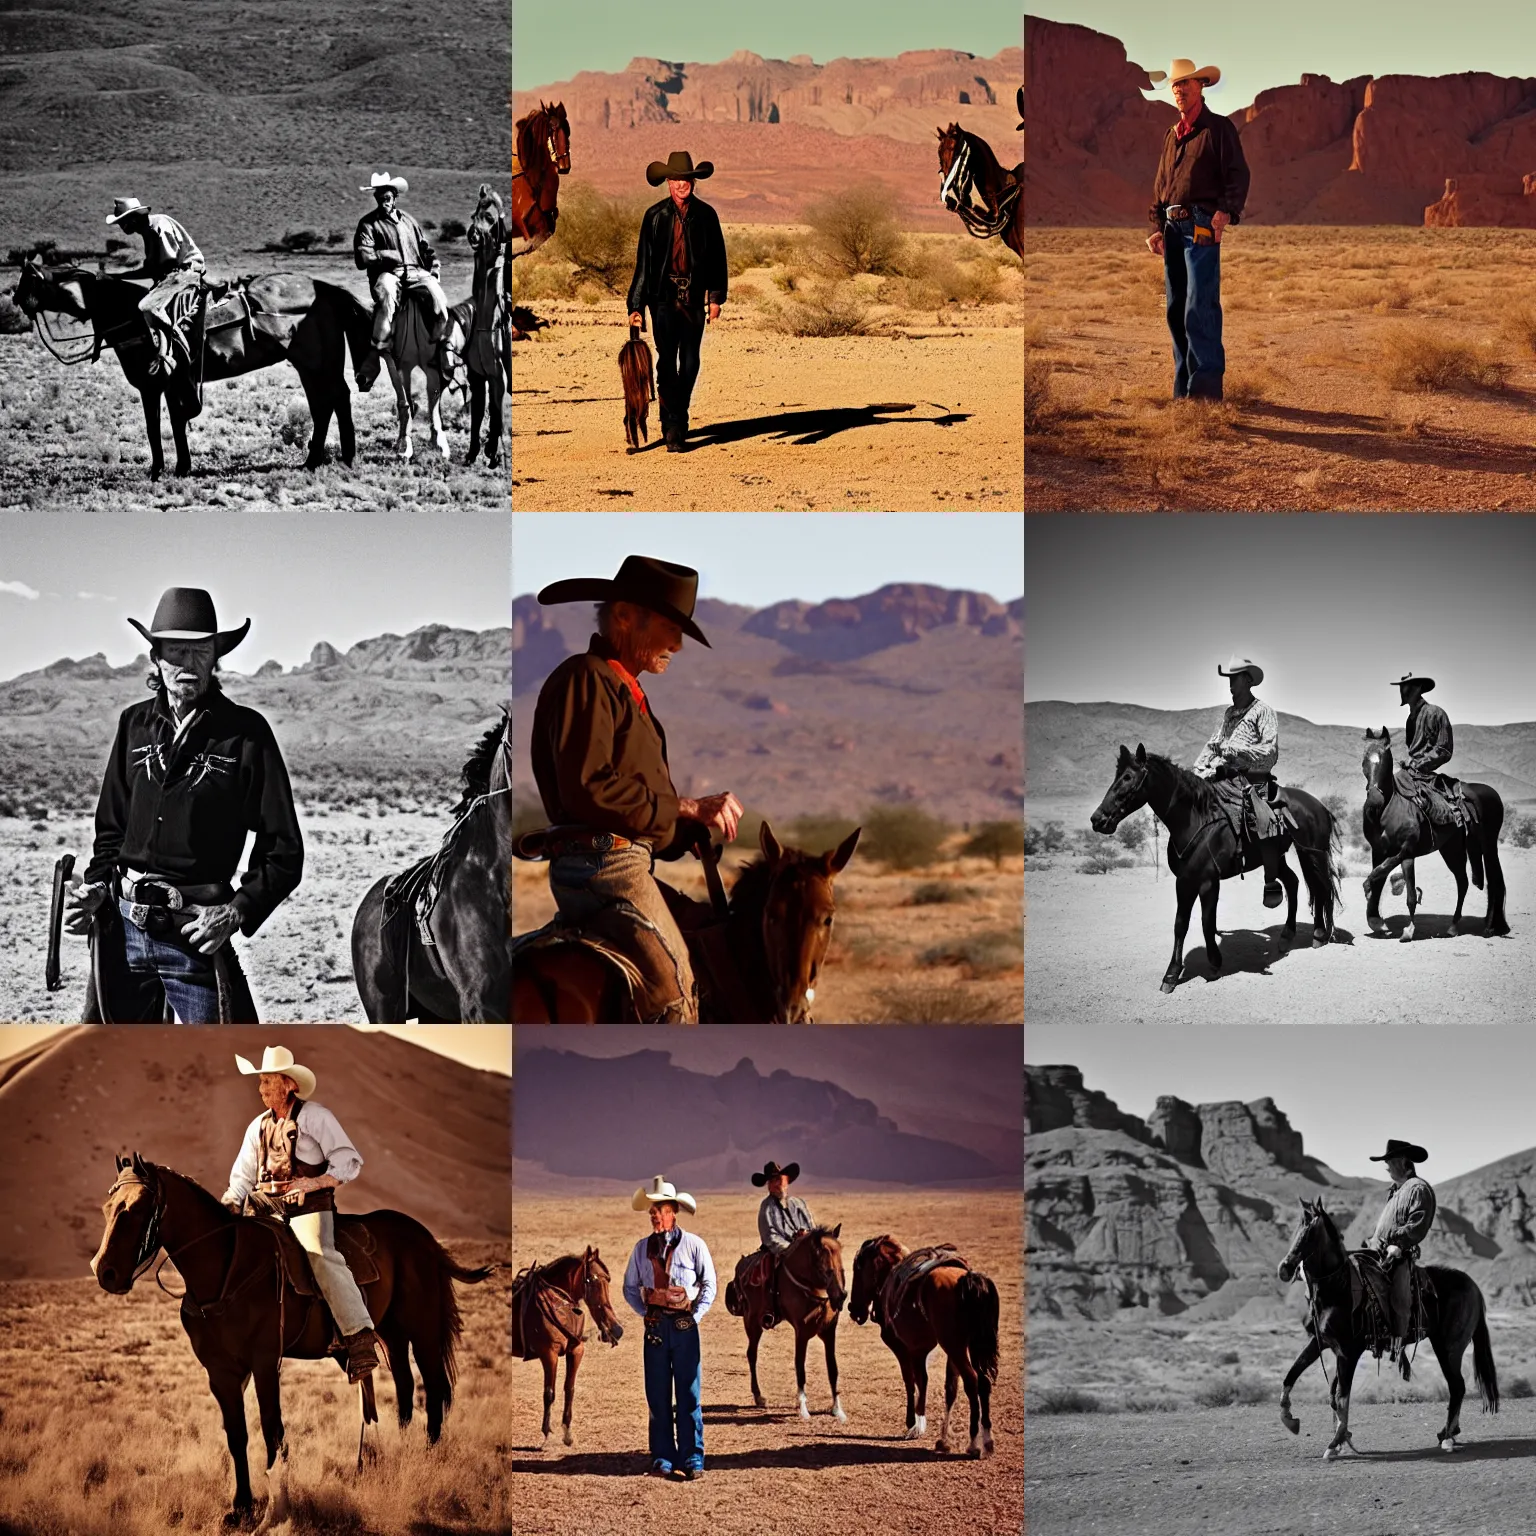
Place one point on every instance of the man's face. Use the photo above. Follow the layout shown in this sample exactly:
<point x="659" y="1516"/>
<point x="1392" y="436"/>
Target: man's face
<point x="681" y="190"/>
<point x="650" y="640"/>
<point x="1399" y="1168"/>
<point x="275" y="1088"/>
<point x="777" y="1185"/>
<point x="1409" y="693"/>
<point x="385" y="197"/>
<point x="663" y="1216"/>
<point x="1241" y="684"/>
<point x="1187" y="95"/>
<point x="186" y="669"/>
<point x="135" y="224"/>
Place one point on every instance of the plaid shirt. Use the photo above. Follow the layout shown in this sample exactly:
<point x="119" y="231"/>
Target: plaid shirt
<point x="1407" y="1216"/>
<point x="1247" y="740"/>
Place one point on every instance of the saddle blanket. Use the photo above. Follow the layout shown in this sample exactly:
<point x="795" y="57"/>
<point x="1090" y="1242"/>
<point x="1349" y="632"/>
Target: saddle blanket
<point x="541" y="1308"/>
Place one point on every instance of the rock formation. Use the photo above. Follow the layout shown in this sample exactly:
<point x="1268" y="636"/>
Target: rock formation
<point x="1484" y="202"/>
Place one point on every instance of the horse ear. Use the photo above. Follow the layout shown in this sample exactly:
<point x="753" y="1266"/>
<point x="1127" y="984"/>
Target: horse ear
<point x="122" y="1162"/>
<point x="138" y="1164"/>
<point x="773" y="850"/>
<point x="1386" y="737"/>
<point x="1141" y="753"/>
<point x="837" y="860"/>
<point x="837" y="1231"/>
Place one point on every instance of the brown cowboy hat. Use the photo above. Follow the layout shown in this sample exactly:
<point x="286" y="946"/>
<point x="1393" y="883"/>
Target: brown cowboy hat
<point x="679" y="166"/>
<point x="771" y="1169"/>
<point x="664" y="588"/>
<point x="186" y="613"/>
<point x="1020" y="126"/>
<point x="1403" y="1149"/>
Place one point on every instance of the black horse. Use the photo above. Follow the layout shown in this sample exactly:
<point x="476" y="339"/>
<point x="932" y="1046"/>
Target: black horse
<point x="1398" y="832"/>
<point x="1454" y="1316"/>
<point x="1203" y="850"/>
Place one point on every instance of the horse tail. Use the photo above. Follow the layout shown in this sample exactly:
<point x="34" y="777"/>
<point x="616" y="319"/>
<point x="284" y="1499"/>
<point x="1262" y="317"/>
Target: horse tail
<point x="1491" y="824"/>
<point x="1324" y="867"/>
<point x="1482" y="1361"/>
<point x="731" y="1303"/>
<point x="977" y="1296"/>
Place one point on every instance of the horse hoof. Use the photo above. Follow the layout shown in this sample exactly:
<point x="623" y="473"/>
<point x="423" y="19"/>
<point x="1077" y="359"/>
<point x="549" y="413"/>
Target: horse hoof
<point x="759" y="1401"/>
<point x="1319" y="941"/>
<point x="838" y="1414"/>
<point x="1453" y="932"/>
<point x="1406" y="936"/>
<point x="1398" y="882"/>
<point x="1215" y="959"/>
<point x="941" y="1447"/>
<point x="1331" y="1453"/>
<point x="973" y="1453"/>
<point x="1168" y="986"/>
<point x="1448" y="1446"/>
<point x="1294" y="1425"/>
<point x="569" y="1438"/>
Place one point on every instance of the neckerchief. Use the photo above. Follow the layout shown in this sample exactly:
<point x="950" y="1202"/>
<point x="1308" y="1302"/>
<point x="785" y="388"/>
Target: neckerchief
<point x="630" y="681"/>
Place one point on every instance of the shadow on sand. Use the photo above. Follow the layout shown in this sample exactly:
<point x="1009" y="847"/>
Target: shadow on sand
<point x="805" y="428"/>
<point x="1253" y="951"/>
<point x="810" y="1455"/>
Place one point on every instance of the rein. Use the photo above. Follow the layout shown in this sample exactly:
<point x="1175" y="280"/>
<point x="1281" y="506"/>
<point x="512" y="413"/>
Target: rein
<point x="45" y="334"/>
<point x="961" y="180"/>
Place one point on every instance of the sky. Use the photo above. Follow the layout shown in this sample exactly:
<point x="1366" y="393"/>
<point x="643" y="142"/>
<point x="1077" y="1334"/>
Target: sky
<point x="758" y="558"/>
<point x="1139" y="610"/>
<point x="1461" y="1092"/>
<point x="69" y="582"/>
<point x="552" y="42"/>
<point x="1257" y="44"/>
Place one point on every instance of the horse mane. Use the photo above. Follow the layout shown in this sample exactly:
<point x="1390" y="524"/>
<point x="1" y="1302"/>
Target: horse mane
<point x="750" y="891"/>
<point x="475" y="775"/>
<point x="1200" y="789"/>
<point x="211" y="1200"/>
<point x="575" y="1258"/>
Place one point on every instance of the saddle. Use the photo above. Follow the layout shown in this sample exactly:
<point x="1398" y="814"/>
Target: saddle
<point x="412" y="895"/>
<point x="920" y="1262"/>
<point x="539" y="1306"/>
<point x="754" y="1271"/>
<point x="1371" y="1300"/>
<point x="355" y="1243"/>
<point x="1452" y="791"/>
<point x="556" y="933"/>
<point x="1254" y="811"/>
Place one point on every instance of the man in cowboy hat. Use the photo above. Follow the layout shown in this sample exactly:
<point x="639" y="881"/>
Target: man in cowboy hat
<point x="679" y="268"/>
<point x="1429" y="747"/>
<point x="1245" y="746"/>
<point x="174" y="262"/>
<point x="779" y="1218"/>
<point x="1201" y="186"/>
<point x="1404" y="1223"/>
<point x="190" y="775"/>
<point x="297" y="1153"/>
<point x="600" y="762"/>
<point x="670" y="1282"/>
<point x="393" y="249"/>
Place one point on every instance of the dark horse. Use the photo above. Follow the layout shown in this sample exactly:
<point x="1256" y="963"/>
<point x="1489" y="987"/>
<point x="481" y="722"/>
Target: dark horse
<point x="465" y="974"/>
<point x="297" y="320"/>
<point x="547" y="1321"/>
<point x="810" y="1289"/>
<point x="1203" y="851"/>
<point x="243" y="1318"/>
<point x="486" y="354"/>
<point x="1454" y="1316"/>
<point x="952" y="1308"/>
<point x="765" y="958"/>
<point x="1398" y="832"/>
<point x="988" y="199"/>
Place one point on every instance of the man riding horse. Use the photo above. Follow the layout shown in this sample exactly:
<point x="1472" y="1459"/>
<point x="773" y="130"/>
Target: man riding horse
<point x="1403" y="1225"/>
<point x="600" y="762"/>
<point x="779" y="1218"/>
<point x="297" y="1154"/>
<point x="393" y="249"/>
<point x="1244" y="748"/>
<point x="1430" y="745"/>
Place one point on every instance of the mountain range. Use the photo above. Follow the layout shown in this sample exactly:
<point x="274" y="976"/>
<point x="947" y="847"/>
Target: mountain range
<point x="907" y="695"/>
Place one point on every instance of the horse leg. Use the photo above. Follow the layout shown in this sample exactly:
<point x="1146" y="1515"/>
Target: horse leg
<point x="1303" y="1360"/>
<point x="1341" y="1388"/>
<point x="829" y="1344"/>
<point x="1456" y="1383"/>
<point x="1210" y="894"/>
<point x="754" y="1338"/>
<point x="179" y="436"/>
<point x="151" y="400"/>
<point x="319" y="403"/>
<point x="941" y="1446"/>
<point x="1373" y="886"/>
<point x="801" y="1340"/>
<point x="550" y="1361"/>
<point x="1187" y="890"/>
<point x="435" y="392"/>
<point x="1407" y="935"/>
<point x="494" y="424"/>
<point x="909" y="1381"/>
<point x="476" y="416"/>
<point x="1495" y="924"/>
<point x="1458" y="869"/>
<point x="269" y="1401"/>
<point x="1292" y="886"/>
<point x="229" y="1392"/>
<point x="920" y="1374"/>
<point x="572" y="1365"/>
<point x="398" y="1347"/>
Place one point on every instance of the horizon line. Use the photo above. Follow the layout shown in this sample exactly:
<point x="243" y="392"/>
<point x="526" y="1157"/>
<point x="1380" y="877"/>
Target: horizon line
<point x="1322" y="725"/>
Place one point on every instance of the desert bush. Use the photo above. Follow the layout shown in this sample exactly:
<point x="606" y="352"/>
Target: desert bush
<point x="982" y="954"/>
<point x="14" y="320"/>
<point x="1100" y="863"/>
<point x="598" y="235"/>
<point x="1132" y="833"/>
<point x="1227" y="1391"/>
<point x="749" y="248"/>
<point x="1046" y="839"/>
<point x="823" y="310"/>
<point x="1044" y="1400"/>
<point x="291" y="424"/>
<point x="1521" y="832"/>
<point x="1421" y="359"/>
<point x="452" y="229"/>
<point x="1520" y="328"/>
<point x="1519" y="1386"/>
<point x="995" y="840"/>
<point x="1035" y="335"/>
<point x="1041" y="409"/>
<point x="1148" y="1402"/>
<point x="856" y="230"/>
<point x="534" y="279"/>
<point x="1337" y="806"/>
<point x="337" y="237"/>
<point x="903" y="836"/>
<point x="1244" y="388"/>
<point x="940" y="893"/>
<point x="817" y="834"/>
<point x="296" y="240"/>
<point x="930" y="1004"/>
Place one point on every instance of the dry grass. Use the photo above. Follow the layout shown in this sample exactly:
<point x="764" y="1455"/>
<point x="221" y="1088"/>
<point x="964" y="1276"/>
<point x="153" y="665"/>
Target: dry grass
<point x="832" y="309"/>
<point x="1041" y="408"/>
<point x="1428" y="361"/>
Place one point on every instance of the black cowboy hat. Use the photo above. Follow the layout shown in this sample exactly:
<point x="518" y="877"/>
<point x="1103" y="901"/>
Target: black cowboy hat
<point x="1403" y="1149"/>
<point x="1020" y="127"/>
<point x="186" y="613"/>
<point x="1413" y="677"/>
<point x="791" y="1172"/>
<point x="664" y="588"/>
<point x="678" y="166"/>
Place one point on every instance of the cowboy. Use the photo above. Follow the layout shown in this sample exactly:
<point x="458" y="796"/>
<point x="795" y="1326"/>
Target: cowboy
<point x="679" y="268"/>
<point x="1404" y="1223"/>
<point x="670" y="1282"/>
<point x="1429" y="747"/>
<point x="600" y="762"/>
<point x="1201" y="186"/>
<point x="176" y="266"/>
<point x="1245" y="746"/>
<point x="780" y="1217"/>
<point x="392" y="248"/>
<point x="297" y="1153"/>
<point x="190" y="775"/>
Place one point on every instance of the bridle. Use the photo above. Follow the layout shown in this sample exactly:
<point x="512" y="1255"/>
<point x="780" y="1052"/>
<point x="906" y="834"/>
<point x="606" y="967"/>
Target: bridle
<point x="958" y="186"/>
<point x="818" y="1293"/>
<point x="1314" y="1291"/>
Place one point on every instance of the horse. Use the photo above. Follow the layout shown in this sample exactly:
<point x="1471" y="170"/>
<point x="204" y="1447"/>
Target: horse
<point x="988" y="199"/>
<point x="226" y="1259"/>
<point x="810" y="1290"/>
<point x="487" y="353"/>
<point x="950" y="1307"/>
<point x="1454" y="1315"/>
<point x="541" y="155"/>
<point x="1203" y="851"/>
<point x="1398" y="832"/>
<point x="765" y="957"/>
<point x="299" y="320"/>
<point x="547" y="1321"/>
<point x="464" y="974"/>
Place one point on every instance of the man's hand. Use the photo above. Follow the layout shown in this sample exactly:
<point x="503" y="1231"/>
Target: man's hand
<point x="1155" y="243"/>
<point x="207" y="928"/>
<point x="720" y="811"/>
<point x="637" y="319"/>
<point x="714" y="311"/>
<point x="1394" y="1253"/>
<point x="1219" y="222"/>
<point x="81" y="904"/>
<point x="231" y="1207"/>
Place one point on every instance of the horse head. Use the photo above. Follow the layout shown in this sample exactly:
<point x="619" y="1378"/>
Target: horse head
<point x="131" y="1236"/>
<point x="557" y="136"/>
<point x="951" y="142"/>
<point x="827" y="1271"/>
<point x="1316" y="1241"/>
<point x="488" y="223"/>
<point x="877" y="1256"/>
<point x="1376" y="764"/>
<point x="55" y="289"/>
<point x="797" y="920"/>
<point x="594" y="1289"/>
<point x="1127" y="794"/>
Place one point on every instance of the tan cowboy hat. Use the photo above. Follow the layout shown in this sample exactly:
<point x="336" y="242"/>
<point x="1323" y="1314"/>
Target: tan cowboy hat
<point x="1246" y="664"/>
<point x="679" y="166"/>
<point x="278" y="1058"/>
<point x="384" y="179"/>
<point x="661" y="1190"/>
<point x="187" y="613"/>
<point x="123" y="206"/>
<point x="1413" y="677"/>
<point x="1184" y="69"/>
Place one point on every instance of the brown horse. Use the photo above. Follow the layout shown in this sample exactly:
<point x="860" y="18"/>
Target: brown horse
<point x="810" y="1289"/>
<point x="244" y="1317"/>
<point x="758" y="967"/>
<point x="547" y="1322"/>
<point x="541" y="155"/>
<point x="988" y="199"/>
<point x="952" y="1306"/>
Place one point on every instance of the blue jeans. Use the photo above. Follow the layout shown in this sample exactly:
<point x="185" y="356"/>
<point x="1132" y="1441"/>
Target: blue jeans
<point x="672" y="1367"/>
<point x="165" y="961"/>
<point x="1192" y="282"/>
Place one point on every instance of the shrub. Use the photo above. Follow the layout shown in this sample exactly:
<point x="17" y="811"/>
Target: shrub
<point x="14" y="320"/>
<point x="336" y="237"/>
<point x="1519" y="1386"/>
<point x="822" y="311"/>
<point x="1053" y="836"/>
<point x="1102" y="863"/>
<point x="1132" y="833"/>
<point x="942" y="893"/>
<point x="1520" y="328"/>
<point x="817" y="834"/>
<point x="534" y="279"/>
<point x="1041" y="408"/>
<point x="1522" y="831"/>
<point x="856" y="230"/>
<point x="294" y="240"/>
<point x="984" y="954"/>
<point x="902" y="836"/>
<point x="1422" y="360"/>
<point x="1225" y="1391"/>
<point x="293" y="426"/>
<point x="995" y="840"/>
<point x="930" y="1004"/>
<point x="1061" y="1400"/>
<point x="598" y="234"/>
<point x="749" y="248"/>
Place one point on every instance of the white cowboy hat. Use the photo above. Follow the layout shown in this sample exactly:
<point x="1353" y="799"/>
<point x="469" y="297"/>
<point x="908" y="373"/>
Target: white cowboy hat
<point x="1246" y="664"/>
<point x="123" y="206"/>
<point x="1184" y="69"/>
<point x="661" y="1190"/>
<point x="384" y="179"/>
<point x="278" y="1058"/>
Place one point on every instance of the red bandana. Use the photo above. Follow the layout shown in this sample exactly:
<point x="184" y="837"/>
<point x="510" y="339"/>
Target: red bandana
<point x="631" y="682"/>
<point x="1186" y="125"/>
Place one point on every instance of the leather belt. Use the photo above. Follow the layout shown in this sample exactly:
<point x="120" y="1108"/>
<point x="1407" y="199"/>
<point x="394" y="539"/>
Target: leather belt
<point x="151" y="898"/>
<point x="551" y="842"/>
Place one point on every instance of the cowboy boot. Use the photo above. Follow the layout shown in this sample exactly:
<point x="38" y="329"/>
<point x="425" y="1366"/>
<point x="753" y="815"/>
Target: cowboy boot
<point x="362" y="1356"/>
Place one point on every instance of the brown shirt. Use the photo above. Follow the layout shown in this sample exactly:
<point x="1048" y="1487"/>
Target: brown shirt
<point x="598" y="759"/>
<point x="1204" y="169"/>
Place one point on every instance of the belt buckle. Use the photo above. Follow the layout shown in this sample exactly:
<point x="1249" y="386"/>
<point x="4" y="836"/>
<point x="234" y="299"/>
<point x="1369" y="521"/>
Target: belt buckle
<point x="602" y="842"/>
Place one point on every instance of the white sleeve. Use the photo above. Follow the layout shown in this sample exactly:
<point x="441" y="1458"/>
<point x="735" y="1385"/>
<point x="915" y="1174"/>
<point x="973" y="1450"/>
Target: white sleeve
<point x="247" y="1166"/>
<point x="706" y="1282"/>
<point x="342" y="1160"/>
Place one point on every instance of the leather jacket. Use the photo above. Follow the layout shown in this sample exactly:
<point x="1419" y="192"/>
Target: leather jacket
<point x="653" y="258"/>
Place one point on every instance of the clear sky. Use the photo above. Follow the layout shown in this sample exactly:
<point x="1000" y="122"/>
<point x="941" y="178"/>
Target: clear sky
<point x="1257" y="44"/>
<point x="757" y="558"/>
<point x="68" y="582"/>
<point x="1463" y="1093"/>
<point x="552" y="42"/>
<point x="1139" y="609"/>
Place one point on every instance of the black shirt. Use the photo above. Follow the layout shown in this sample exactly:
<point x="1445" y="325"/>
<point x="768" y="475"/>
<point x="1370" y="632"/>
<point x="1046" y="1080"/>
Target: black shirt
<point x="1205" y="169"/>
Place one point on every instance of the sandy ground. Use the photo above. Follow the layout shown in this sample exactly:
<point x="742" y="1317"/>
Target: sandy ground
<point x="1310" y="316"/>
<point x="766" y="1468"/>
<point x="110" y="1429"/>
<point x="927" y="419"/>
<point x="300" y="962"/>
<point x="873" y="969"/>
<point x="1097" y="946"/>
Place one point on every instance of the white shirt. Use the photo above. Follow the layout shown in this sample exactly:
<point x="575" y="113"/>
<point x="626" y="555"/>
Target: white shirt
<point x="689" y="1266"/>
<point x="321" y="1140"/>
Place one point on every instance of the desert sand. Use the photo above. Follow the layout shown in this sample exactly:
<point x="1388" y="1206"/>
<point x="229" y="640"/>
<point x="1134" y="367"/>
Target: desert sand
<point x="861" y="1477"/>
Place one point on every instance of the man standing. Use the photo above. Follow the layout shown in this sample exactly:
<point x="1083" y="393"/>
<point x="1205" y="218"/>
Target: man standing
<point x="670" y="1282"/>
<point x="172" y="259"/>
<point x="779" y="1218"/>
<point x="190" y="775"/>
<point x="1201" y="186"/>
<point x="392" y="248"/>
<point x="1429" y="744"/>
<point x="297" y="1154"/>
<point x="1404" y="1224"/>
<point x="679" y="267"/>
